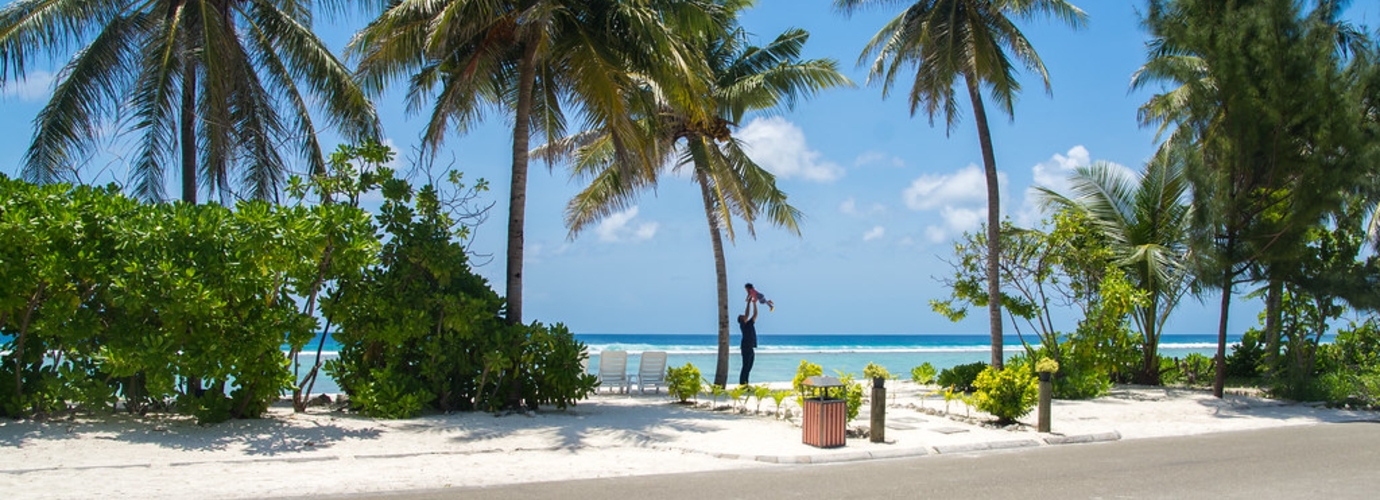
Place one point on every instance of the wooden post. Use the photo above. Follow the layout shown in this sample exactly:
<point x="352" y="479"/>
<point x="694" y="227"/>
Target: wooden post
<point x="1046" y="393"/>
<point x="878" y="410"/>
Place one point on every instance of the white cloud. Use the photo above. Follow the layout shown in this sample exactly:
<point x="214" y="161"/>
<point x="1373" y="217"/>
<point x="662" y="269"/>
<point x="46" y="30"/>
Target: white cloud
<point x="878" y="158"/>
<point x="35" y="86"/>
<point x="620" y="227"/>
<point x="967" y="186"/>
<point x="959" y="198"/>
<point x="1054" y="173"/>
<point x="849" y="206"/>
<point x="874" y="233"/>
<point x="780" y="147"/>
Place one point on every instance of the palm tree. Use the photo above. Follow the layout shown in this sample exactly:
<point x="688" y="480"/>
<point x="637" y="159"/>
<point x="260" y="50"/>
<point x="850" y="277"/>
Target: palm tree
<point x="1271" y="134"/>
<point x="743" y="78"/>
<point x="974" y="40"/>
<point x="229" y="81"/>
<point x="527" y="57"/>
<point x="1145" y="219"/>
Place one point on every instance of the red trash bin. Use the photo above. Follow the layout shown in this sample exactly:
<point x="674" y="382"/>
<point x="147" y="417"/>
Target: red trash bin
<point x="826" y="415"/>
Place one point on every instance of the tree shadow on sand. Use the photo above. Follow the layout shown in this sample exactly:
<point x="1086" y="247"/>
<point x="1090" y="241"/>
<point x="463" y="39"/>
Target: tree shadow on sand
<point x="269" y="436"/>
<point x="597" y="422"/>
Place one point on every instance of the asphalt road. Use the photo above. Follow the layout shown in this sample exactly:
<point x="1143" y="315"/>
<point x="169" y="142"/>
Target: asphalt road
<point x="1330" y="461"/>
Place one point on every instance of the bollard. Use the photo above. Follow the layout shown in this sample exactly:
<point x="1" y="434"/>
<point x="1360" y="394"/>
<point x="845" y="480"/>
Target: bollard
<point x="878" y="410"/>
<point x="1046" y="393"/>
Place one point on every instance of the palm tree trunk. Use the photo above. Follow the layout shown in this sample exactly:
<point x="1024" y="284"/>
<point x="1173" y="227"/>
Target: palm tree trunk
<point x="188" y="132"/>
<point x="517" y="191"/>
<point x="721" y="275"/>
<point x="989" y="164"/>
<point x="517" y="209"/>
<point x="1274" y="304"/>
<point x="1219" y="382"/>
<point x="1150" y="355"/>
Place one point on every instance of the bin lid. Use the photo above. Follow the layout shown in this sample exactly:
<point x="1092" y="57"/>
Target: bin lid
<point x="820" y="381"/>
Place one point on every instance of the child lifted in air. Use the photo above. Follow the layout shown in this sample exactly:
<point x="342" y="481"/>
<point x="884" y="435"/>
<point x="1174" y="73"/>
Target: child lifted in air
<point x="754" y="295"/>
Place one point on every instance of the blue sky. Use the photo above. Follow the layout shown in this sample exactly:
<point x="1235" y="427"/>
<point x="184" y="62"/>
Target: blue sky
<point x="884" y="193"/>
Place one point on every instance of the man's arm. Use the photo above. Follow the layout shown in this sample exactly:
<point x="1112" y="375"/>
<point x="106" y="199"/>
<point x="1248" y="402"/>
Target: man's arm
<point x="753" y="306"/>
<point x="748" y="308"/>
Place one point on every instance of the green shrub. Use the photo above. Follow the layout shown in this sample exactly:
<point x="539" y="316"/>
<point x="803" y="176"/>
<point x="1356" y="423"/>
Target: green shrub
<point x="852" y="395"/>
<point x="1007" y="394"/>
<point x="683" y="383"/>
<point x="961" y="377"/>
<point x="923" y="374"/>
<point x="1246" y="357"/>
<point x="1169" y="371"/>
<point x="1197" y="370"/>
<point x="802" y="372"/>
<point x="873" y="370"/>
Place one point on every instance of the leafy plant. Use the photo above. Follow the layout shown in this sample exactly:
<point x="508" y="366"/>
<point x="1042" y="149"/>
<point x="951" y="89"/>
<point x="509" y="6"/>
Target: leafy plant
<point x="961" y="377"/>
<point x="761" y="392"/>
<point x="1046" y="365"/>
<point x="923" y="374"/>
<point x="716" y="392"/>
<point x="873" y="370"/>
<point x="779" y="396"/>
<point x="683" y="383"/>
<point x="950" y="394"/>
<point x="739" y="395"/>
<point x="1196" y="370"/>
<point x="1007" y="394"/>
<point x="802" y="372"/>
<point x="852" y="395"/>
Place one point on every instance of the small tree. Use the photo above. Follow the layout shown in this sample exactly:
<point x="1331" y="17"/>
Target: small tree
<point x="1007" y="394"/>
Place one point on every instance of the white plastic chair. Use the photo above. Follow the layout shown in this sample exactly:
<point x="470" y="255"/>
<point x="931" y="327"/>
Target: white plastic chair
<point x="651" y="371"/>
<point x="613" y="370"/>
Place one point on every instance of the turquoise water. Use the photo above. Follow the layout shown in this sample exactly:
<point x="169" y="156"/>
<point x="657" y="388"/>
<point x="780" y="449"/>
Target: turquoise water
<point x="779" y="355"/>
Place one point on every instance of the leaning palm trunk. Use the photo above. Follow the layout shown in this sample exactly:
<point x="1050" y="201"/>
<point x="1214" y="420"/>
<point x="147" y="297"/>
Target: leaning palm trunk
<point x="721" y="275"/>
<point x="989" y="164"/>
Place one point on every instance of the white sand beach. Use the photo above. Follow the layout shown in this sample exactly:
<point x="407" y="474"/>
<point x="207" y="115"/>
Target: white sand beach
<point x="324" y="452"/>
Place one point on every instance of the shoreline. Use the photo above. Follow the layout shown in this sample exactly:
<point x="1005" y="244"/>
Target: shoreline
<point x="322" y="452"/>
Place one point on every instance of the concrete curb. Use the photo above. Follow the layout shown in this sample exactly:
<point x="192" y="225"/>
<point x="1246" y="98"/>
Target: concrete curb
<point x="1101" y="437"/>
<point x="855" y="456"/>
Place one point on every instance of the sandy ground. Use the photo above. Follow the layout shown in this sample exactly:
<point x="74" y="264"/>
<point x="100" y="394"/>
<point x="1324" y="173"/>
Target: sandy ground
<point x="324" y="452"/>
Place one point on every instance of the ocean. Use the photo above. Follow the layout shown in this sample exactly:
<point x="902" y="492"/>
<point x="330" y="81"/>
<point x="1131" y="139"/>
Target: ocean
<point x="778" y="355"/>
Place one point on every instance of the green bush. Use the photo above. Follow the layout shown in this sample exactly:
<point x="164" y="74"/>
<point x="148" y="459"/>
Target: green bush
<point x="852" y="396"/>
<point x="923" y="374"/>
<point x="1197" y="370"/>
<point x="683" y="383"/>
<point x="1169" y="371"/>
<point x="1007" y="394"/>
<point x="873" y="370"/>
<point x="961" y="377"/>
<point x="1246" y="357"/>
<point x="802" y="372"/>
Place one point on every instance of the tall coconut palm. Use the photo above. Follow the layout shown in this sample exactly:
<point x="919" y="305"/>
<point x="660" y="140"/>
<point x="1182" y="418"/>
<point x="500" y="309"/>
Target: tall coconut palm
<point x="231" y="83"/>
<point x="527" y="57"/>
<point x="1145" y="218"/>
<point x="945" y="40"/>
<point x="744" y="78"/>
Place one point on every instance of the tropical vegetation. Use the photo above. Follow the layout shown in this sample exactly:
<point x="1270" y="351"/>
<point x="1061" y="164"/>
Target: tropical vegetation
<point x="1265" y="181"/>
